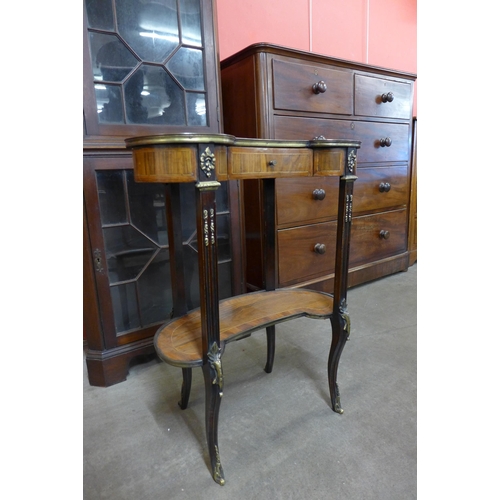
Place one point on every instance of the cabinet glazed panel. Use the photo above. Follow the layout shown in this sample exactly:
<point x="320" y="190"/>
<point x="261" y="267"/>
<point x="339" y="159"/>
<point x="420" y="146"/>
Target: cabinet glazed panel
<point x="380" y="188"/>
<point x="306" y="200"/>
<point x="378" y="236"/>
<point x="315" y="89"/>
<point x="373" y="135"/>
<point x="297" y="258"/>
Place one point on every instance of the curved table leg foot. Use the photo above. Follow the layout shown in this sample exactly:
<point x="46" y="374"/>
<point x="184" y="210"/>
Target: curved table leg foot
<point x="337" y="407"/>
<point x="271" y="343"/>
<point x="187" y="376"/>
<point x="340" y="334"/>
<point x="212" y="373"/>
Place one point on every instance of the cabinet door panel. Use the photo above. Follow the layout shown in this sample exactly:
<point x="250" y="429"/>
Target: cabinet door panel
<point x="128" y="237"/>
<point x="138" y="81"/>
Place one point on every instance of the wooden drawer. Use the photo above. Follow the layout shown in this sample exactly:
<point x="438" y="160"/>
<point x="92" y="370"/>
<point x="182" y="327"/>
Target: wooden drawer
<point x="302" y="201"/>
<point x="269" y="162"/>
<point x="382" y="97"/>
<point x="297" y="258"/>
<point x="369" y="133"/>
<point x="368" y="245"/>
<point x="380" y="188"/>
<point x="293" y="88"/>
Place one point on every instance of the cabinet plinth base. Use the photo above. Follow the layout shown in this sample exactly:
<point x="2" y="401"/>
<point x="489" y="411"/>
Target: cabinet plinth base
<point x="110" y="367"/>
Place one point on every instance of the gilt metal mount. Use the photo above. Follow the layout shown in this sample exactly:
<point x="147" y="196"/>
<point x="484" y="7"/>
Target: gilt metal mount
<point x="348" y="209"/>
<point x="337" y="407"/>
<point x="218" y="473"/>
<point x="345" y="317"/>
<point x="214" y="361"/>
<point x="207" y="160"/>
<point x="209" y="227"/>
<point x="351" y="161"/>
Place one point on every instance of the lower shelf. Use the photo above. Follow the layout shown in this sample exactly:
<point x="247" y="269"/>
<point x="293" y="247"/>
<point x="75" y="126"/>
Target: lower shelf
<point x="179" y="343"/>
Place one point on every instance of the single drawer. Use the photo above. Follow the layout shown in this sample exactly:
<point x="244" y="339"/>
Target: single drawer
<point x="306" y="252"/>
<point x="382" y="97"/>
<point x="315" y="89"/>
<point x="328" y="162"/>
<point x="375" y="237"/>
<point x="269" y="162"/>
<point x="165" y="164"/>
<point x="380" y="142"/>
<point x="380" y="188"/>
<point x="303" y="201"/>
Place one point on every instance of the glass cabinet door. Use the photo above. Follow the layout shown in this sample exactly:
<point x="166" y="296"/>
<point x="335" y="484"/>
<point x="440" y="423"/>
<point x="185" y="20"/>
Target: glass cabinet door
<point x="130" y="241"/>
<point x="149" y="64"/>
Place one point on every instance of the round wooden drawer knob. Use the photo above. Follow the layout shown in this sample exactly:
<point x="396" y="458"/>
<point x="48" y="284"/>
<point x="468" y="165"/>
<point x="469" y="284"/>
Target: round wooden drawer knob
<point x="384" y="187"/>
<point x="319" y="88"/>
<point x="319" y="194"/>
<point x="389" y="97"/>
<point x="384" y="234"/>
<point x="386" y="142"/>
<point x="320" y="248"/>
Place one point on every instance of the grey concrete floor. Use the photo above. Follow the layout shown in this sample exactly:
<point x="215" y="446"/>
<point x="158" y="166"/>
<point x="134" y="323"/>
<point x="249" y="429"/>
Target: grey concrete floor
<point x="278" y="437"/>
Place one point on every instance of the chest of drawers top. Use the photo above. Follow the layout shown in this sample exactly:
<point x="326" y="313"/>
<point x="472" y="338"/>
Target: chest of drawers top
<point x="298" y="83"/>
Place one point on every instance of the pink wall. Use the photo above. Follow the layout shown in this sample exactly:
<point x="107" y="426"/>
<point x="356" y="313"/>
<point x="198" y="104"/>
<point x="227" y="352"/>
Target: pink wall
<point x="377" y="32"/>
<point x="243" y="22"/>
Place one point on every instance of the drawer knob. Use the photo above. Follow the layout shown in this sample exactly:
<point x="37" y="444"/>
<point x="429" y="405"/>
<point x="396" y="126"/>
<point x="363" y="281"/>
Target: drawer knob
<point x="319" y="88"/>
<point x="272" y="163"/>
<point x="389" y="97"/>
<point x="384" y="187"/>
<point x="320" y="248"/>
<point x="319" y="194"/>
<point x="385" y="142"/>
<point x="384" y="234"/>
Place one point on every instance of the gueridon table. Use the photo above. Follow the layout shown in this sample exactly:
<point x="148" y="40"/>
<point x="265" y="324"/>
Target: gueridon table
<point x="198" y="337"/>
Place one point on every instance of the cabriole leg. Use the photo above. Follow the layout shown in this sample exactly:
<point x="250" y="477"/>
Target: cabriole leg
<point x="187" y="376"/>
<point x="209" y="303"/>
<point x="340" y="319"/>
<point x="340" y="333"/>
<point x="212" y="374"/>
<point x="271" y="342"/>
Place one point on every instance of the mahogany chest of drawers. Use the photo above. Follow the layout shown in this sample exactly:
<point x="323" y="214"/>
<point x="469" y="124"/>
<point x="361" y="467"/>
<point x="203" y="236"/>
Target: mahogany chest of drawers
<point x="273" y="92"/>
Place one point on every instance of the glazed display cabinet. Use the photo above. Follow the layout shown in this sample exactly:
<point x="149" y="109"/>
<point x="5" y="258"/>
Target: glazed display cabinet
<point x="149" y="68"/>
